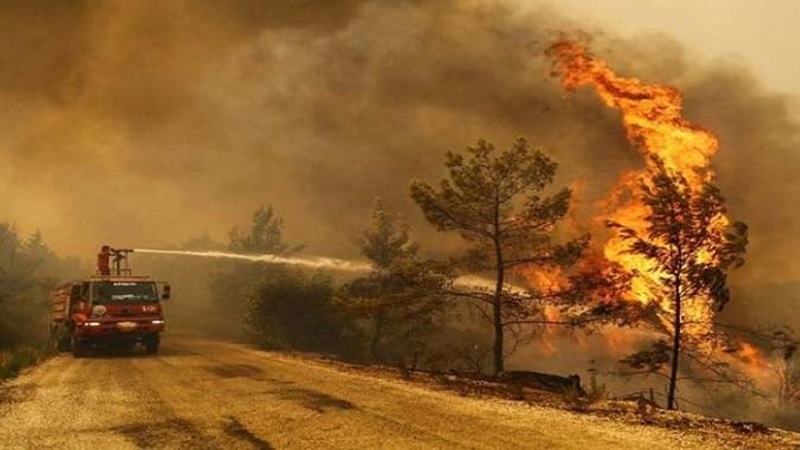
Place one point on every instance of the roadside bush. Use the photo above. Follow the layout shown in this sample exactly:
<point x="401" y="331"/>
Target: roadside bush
<point x="28" y="269"/>
<point x="11" y="363"/>
<point x="288" y="309"/>
<point x="23" y="309"/>
<point x="232" y="282"/>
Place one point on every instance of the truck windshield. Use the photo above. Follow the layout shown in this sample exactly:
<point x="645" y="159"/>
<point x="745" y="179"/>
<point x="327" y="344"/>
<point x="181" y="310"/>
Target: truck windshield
<point x="124" y="291"/>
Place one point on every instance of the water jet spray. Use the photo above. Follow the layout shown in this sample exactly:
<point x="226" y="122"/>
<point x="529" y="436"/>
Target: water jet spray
<point x="315" y="262"/>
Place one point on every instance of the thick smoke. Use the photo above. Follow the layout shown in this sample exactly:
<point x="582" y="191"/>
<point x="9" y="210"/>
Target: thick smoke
<point x="138" y="124"/>
<point x="144" y="124"/>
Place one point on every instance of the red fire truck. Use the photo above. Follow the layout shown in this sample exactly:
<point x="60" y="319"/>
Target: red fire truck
<point x="112" y="309"/>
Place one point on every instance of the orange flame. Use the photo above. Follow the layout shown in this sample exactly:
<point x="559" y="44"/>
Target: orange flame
<point x="546" y="279"/>
<point x="752" y="356"/>
<point x="651" y="113"/>
<point x="653" y="122"/>
<point x="752" y="361"/>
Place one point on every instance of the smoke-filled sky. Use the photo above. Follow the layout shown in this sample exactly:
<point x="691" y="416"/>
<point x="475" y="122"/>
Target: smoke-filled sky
<point x="145" y="124"/>
<point x="758" y="34"/>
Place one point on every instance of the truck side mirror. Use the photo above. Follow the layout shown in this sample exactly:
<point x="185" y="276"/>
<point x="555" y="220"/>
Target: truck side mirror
<point x="166" y="292"/>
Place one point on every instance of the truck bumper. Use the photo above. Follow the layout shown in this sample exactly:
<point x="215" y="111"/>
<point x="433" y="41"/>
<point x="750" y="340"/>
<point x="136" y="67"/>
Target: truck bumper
<point x="108" y="335"/>
<point x="117" y="340"/>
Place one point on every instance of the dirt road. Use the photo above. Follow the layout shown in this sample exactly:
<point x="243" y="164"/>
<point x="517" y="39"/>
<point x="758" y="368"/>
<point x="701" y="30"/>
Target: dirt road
<point x="200" y="394"/>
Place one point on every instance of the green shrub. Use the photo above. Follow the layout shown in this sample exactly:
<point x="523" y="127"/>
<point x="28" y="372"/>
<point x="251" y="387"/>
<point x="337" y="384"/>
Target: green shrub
<point x="288" y="309"/>
<point x="11" y="364"/>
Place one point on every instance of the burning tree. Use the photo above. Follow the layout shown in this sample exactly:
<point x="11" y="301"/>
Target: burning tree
<point x="690" y="248"/>
<point x="493" y="200"/>
<point x="670" y="229"/>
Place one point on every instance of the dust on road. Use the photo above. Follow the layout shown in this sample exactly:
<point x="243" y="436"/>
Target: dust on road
<point x="201" y="394"/>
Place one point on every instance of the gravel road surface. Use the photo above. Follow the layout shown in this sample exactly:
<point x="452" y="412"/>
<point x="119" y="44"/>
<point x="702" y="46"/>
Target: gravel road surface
<point x="203" y="394"/>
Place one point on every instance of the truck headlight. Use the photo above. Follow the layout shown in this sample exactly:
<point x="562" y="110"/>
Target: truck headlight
<point x="158" y="322"/>
<point x="92" y="324"/>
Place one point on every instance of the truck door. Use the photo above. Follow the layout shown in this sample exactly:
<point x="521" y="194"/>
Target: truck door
<point x="74" y="295"/>
<point x="82" y="297"/>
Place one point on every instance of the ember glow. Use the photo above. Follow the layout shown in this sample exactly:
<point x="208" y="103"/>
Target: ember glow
<point x="654" y="124"/>
<point x="752" y="356"/>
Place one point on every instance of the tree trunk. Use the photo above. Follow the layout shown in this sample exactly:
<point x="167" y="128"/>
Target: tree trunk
<point x="497" y="304"/>
<point x="376" y="337"/>
<point x="497" y="310"/>
<point x="498" y="333"/>
<point x="676" y="346"/>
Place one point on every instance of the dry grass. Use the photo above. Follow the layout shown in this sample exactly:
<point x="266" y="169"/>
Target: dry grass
<point x="732" y="434"/>
<point x="11" y="363"/>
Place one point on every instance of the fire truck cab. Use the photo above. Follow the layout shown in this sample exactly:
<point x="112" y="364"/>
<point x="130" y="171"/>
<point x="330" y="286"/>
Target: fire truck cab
<point x="113" y="309"/>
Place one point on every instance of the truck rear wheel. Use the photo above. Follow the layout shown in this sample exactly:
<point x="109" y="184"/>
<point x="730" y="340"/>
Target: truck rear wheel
<point x="64" y="344"/>
<point x="151" y="347"/>
<point x="59" y="341"/>
<point x="79" y="349"/>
